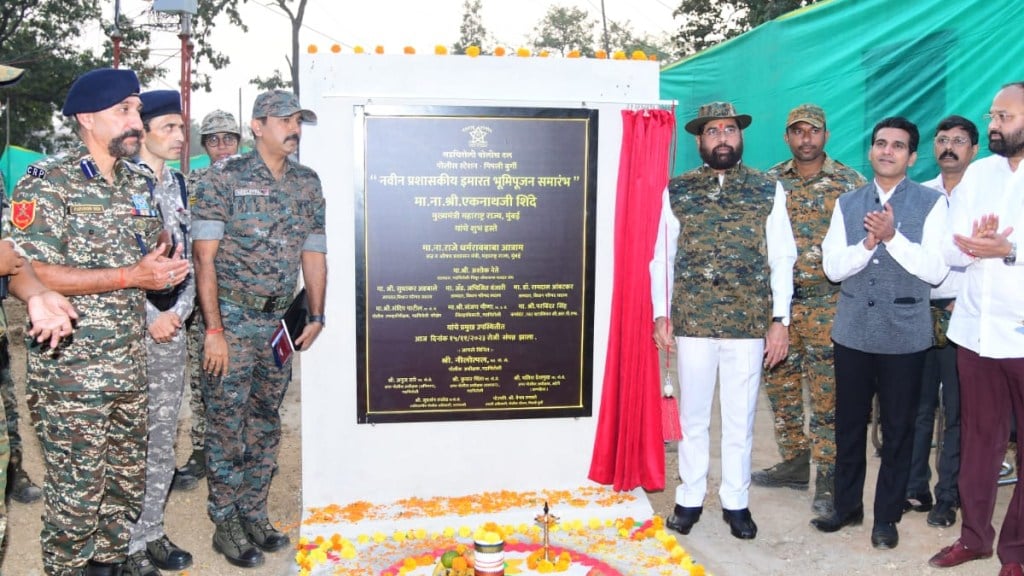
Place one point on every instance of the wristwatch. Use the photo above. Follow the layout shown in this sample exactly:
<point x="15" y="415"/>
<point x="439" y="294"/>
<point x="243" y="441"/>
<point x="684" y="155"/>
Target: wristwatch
<point x="784" y="320"/>
<point x="318" y="318"/>
<point x="1011" y="258"/>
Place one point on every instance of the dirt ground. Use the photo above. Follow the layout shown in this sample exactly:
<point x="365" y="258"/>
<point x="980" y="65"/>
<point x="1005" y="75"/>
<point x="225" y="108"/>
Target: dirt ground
<point x="785" y="545"/>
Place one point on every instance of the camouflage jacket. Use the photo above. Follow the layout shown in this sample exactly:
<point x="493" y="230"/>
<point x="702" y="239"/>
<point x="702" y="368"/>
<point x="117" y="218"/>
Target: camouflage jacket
<point x="64" y="213"/>
<point x="810" y="202"/>
<point x="721" y="269"/>
<point x="263" y="224"/>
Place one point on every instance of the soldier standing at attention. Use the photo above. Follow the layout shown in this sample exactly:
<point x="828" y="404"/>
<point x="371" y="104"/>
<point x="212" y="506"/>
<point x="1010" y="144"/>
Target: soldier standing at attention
<point x="724" y="246"/>
<point x="51" y="316"/>
<point x="165" y="338"/>
<point x="220" y="137"/>
<point x="813" y="181"/>
<point x="91" y="228"/>
<point x="257" y="217"/>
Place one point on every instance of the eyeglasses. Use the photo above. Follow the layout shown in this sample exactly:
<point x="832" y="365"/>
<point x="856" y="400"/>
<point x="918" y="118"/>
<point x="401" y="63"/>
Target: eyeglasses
<point x="225" y="140"/>
<point x="956" y="141"/>
<point x="727" y="131"/>
<point x="1002" y="117"/>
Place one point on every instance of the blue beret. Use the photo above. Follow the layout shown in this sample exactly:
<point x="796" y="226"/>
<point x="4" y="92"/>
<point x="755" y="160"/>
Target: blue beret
<point x="100" y="89"/>
<point x="160" y="103"/>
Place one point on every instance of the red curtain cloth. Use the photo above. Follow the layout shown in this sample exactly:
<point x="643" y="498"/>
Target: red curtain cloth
<point x="629" y="450"/>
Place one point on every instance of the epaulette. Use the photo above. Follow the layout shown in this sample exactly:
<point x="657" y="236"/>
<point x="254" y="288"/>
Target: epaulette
<point x="140" y="169"/>
<point x="41" y="168"/>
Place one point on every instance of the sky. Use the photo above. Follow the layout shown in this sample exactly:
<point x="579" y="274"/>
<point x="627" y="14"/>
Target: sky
<point x="394" y="24"/>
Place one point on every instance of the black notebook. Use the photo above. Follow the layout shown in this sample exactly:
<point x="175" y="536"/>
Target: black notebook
<point x="290" y="327"/>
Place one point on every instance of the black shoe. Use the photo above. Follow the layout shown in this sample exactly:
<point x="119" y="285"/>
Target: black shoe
<point x="834" y="522"/>
<point x="943" y="514"/>
<point x="918" y="502"/>
<point x="683" y="518"/>
<point x="20" y="487"/>
<point x="188" y="476"/>
<point x="263" y="534"/>
<point x="138" y="564"/>
<point x="229" y="539"/>
<point x="166" y="555"/>
<point x="824" y="488"/>
<point x="94" y="568"/>
<point x="740" y="523"/>
<point x="884" y="535"/>
<point x="794" y="473"/>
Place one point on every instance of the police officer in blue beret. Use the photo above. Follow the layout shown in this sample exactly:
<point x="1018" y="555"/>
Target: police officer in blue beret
<point x="92" y="230"/>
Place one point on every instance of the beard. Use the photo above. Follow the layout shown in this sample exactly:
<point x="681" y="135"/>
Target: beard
<point x="722" y="156"/>
<point x="118" y="148"/>
<point x="1007" y="145"/>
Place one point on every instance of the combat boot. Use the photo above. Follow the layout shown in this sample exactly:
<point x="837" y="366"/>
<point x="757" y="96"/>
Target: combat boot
<point x="188" y="476"/>
<point x="793" y="473"/>
<point x="824" y="489"/>
<point x="229" y="539"/>
<point x="20" y="487"/>
<point x="263" y="534"/>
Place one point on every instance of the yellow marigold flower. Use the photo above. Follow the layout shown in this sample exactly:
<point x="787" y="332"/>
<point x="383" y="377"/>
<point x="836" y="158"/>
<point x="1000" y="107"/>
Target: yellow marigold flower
<point x="300" y="557"/>
<point x="594" y="523"/>
<point x="545" y="567"/>
<point x="379" y="537"/>
<point x="358" y="49"/>
<point x="600" y="54"/>
<point x="499" y="51"/>
<point x="677" y="552"/>
<point x="335" y="48"/>
<point x="363" y="539"/>
<point x="419" y="533"/>
<point x="407" y="50"/>
<point x="410" y="563"/>
<point x="523" y="52"/>
<point x="465" y="531"/>
<point x="440" y="50"/>
<point x="638" y="55"/>
<point x="697" y="570"/>
<point x="544" y="54"/>
<point x="348" y="552"/>
<point x="399" y="536"/>
<point x="473" y="51"/>
<point x="449" y="532"/>
<point x="318" y="540"/>
<point x="379" y="49"/>
<point x="311" y="48"/>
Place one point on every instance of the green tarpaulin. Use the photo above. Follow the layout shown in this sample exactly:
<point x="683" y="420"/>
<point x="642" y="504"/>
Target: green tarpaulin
<point x="861" y="60"/>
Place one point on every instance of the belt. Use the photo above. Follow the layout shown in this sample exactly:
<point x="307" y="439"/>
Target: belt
<point x="262" y="303"/>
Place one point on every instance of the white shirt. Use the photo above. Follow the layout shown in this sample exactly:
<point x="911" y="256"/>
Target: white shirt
<point x="949" y="287"/>
<point x="778" y="238"/>
<point x="989" y="313"/>
<point x="923" y="260"/>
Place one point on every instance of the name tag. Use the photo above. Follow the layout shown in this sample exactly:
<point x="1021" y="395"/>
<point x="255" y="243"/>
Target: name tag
<point x="85" y="209"/>
<point x="252" y="192"/>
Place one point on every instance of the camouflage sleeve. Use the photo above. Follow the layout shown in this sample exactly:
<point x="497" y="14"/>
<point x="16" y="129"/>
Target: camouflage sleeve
<point x="316" y="240"/>
<point x="212" y="208"/>
<point x="38" y="211"/>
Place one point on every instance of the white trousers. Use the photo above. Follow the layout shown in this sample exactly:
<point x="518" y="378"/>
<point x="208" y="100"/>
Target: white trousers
<point x="737" y="363"/>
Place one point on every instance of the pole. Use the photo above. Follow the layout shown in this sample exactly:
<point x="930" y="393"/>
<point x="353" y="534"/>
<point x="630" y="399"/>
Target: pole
<point x="186" y="85"/>
<point x="604" y="24"/>
<point x="115" y="35"/>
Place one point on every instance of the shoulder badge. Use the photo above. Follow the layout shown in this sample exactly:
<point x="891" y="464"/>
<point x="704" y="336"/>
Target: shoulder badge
<point x="41" y="168"/>
<point x="23" y="213"/>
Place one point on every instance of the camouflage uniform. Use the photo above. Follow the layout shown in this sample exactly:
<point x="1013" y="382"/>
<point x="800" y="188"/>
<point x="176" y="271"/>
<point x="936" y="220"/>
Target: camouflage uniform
<point x="810" y="202"/>
<point x="165" y="374"/>
<point x="262" y="225"/>
<point x="6" y="396"/>
<point x="89" y="395"/>
<point x="194" y="343"/>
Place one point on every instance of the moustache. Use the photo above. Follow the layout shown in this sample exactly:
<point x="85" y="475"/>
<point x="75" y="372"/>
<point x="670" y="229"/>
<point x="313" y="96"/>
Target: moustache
<point x="995" y="133"/>
<point x="293" y="137"/>
<point x="130" y="133"/>
<point x="723" y="149"/>
<point x="949" y="154"/>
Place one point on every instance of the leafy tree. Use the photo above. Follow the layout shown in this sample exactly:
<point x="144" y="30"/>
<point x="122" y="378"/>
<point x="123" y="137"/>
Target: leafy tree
<point x="42" y="37"/>
<point x="622" y="37"/>
<point x="563" y="30"/>
<point x="708" y="22"/>
<point x="472" y="32"/>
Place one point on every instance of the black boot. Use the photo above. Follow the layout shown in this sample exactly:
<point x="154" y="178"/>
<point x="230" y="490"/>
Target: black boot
<point x="188" y="476"/>
<point x="20" y="487"/>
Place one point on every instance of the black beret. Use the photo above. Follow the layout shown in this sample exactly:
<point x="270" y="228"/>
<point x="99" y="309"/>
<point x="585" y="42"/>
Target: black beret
<point x="100" y="89"/>
<point x="160" y="103"/>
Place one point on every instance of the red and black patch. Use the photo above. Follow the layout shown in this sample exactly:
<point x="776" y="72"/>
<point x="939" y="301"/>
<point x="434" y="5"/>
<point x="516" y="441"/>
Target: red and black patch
<point x="23" y="213"/>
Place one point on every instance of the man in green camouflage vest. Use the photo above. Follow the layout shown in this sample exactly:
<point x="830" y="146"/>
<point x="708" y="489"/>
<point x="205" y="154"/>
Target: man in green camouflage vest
<point x="812" y="181"/>
<point x="725" y="246"/>
<point x="257" y="217"/>
<point x="89" y="225"/>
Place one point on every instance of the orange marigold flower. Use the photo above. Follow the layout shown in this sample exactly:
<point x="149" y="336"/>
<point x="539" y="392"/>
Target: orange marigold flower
<point x="460" y="563"/>
<point x="473" y="51"/>
<point x="653" y="57"/>
<point x="523" y="52"/>
<point x="335" y="48"/>
<point x="379" y="49"/>
<point x="311" y="49"/>
<point x="499" y="51"/>
<point x="407" y="50"/>
<point x="573" y="54"/>
<point x="600" y="54"/>
<point x="544" y="54"/>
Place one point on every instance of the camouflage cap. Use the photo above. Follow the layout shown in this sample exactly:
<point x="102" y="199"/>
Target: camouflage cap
<point x="280" y="103"/>
<point x="713" y="111"/>
<point x="9" y="75"/>
<point x="217" y="122"/>
<point x="810" y="113"/>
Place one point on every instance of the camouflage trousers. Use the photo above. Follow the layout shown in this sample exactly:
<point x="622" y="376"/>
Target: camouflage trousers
<point x="5" y="455"/>
<point x="809" y="364"/>
<point x="243" y="420"/>
<point x="165" y="373"/>
<point x="195" y="330"/>
<point x="10" y="397"/>
<point x="94" y="450"/>
<point x="10" y="402"/>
